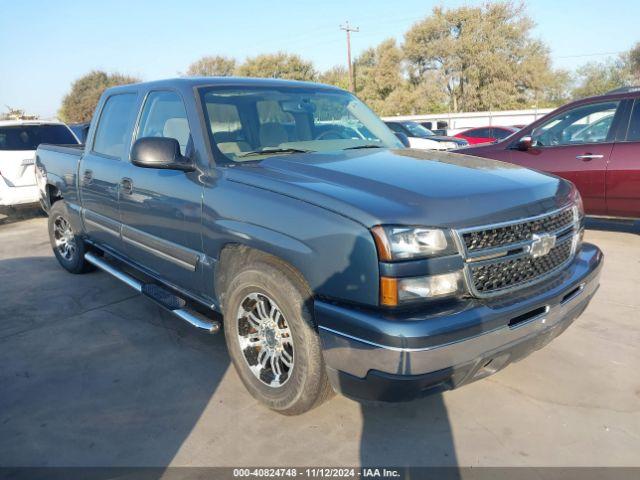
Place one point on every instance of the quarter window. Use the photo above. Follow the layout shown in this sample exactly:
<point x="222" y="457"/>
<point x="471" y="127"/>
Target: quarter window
<point x="164" y="115"/>
<point x="115" y="123"/>
<point x="580" y="125"/>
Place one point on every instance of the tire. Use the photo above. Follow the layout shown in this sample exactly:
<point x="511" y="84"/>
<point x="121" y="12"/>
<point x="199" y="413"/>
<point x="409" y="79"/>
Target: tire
<point x="257" y="285"/>
<point x="69" y="249"/>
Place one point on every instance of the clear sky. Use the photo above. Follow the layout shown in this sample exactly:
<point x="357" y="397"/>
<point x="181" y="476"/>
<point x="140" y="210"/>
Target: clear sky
<point x="45" y="45"/>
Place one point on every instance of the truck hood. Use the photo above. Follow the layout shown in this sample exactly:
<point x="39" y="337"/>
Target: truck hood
<point x="408" y="187"/>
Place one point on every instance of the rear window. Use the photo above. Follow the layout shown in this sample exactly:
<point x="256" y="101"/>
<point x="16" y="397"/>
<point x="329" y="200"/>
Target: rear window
<point x="28" y="137"/>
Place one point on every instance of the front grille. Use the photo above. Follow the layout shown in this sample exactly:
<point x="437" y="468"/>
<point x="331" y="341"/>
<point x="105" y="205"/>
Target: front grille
<point x="489" y="277"/>
<point x="517" y="232"/>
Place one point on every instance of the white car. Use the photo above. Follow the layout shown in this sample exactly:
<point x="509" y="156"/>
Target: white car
<point x="18" y="142"/>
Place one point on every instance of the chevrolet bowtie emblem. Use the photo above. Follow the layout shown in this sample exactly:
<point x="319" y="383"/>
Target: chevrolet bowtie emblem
<point x="541" y="244"/>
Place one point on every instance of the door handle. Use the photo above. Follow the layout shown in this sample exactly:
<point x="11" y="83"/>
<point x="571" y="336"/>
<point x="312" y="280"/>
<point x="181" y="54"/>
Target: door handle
<point x="126" y="184"/>
<point x="87" y="176"/>
<point x="588" y="156"/>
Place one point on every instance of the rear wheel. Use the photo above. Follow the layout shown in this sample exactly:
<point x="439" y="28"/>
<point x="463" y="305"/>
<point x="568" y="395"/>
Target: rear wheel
<point x="68" y="246"/>
<point x="271" y="338"/>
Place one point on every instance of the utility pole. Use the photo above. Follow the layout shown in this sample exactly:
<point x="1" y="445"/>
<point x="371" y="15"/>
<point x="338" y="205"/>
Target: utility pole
<point x="348" y="28"/>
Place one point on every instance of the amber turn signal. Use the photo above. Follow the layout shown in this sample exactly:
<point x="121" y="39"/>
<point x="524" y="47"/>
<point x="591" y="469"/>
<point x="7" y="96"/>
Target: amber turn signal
<point x="382" y="244"/>
<point x="389" y="291"/>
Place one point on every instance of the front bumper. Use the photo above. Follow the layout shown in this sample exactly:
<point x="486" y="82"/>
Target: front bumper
<point x="393" y="356"/>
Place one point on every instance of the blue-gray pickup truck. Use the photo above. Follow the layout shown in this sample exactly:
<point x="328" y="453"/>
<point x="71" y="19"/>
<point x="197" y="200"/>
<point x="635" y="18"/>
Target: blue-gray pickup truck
<point x="334" y="259"/>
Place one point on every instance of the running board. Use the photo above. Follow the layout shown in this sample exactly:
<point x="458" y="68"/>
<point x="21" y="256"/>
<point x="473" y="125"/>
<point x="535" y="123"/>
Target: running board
<point x="164" y="298"/>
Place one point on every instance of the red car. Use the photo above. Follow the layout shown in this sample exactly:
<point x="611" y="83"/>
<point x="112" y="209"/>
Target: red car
<point x="486" y="134"/>
<point x="593" y="142"/>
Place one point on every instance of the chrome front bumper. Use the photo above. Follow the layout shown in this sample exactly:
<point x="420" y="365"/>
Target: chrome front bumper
<point x="551" y="311"/>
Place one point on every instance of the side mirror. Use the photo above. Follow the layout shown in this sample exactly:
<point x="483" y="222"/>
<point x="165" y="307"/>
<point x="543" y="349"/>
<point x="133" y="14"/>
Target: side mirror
<point x="524" y="144"/>
<point x="160" y="152"/>
<point x="403" y="138"/>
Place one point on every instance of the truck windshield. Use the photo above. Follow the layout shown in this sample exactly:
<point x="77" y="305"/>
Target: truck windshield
<point x="28" y="137"/>
<point x="252" y="123"/>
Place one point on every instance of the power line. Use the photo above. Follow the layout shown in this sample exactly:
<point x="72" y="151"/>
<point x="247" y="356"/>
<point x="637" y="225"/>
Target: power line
<point x="602" y="54"/>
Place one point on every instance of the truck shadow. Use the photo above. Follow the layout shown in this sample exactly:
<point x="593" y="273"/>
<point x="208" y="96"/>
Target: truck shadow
<point x="416" y="433"/>
<point x="93" y="374"/>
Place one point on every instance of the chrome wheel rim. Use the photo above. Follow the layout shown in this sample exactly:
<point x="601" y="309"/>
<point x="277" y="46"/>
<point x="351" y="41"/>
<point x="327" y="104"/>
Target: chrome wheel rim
<point x="64" y="238"/>
<point x="265" y="340"/>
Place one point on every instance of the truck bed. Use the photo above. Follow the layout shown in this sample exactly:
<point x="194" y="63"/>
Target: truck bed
<point x="75" y="149"/>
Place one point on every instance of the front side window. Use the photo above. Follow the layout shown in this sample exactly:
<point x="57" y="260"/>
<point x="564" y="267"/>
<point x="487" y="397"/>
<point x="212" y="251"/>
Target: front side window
<point x="585" y="124"/>
<point x="28" y="137"/>
<point x="501" y="133"/>
<point x="164" y="115"/>
<point x="250" y="123"/>
<point x="114" y="126"/>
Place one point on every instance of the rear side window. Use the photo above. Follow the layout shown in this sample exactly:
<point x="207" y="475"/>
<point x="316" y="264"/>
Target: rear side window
<point x="115" y="123"/>
<point x="164" y="115"/>
<point x="633" y="134"/>
<point x="28" y="137"/>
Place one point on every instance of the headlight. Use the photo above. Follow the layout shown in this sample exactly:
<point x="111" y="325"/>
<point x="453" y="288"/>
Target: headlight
<point x="578" y="205"/>
<point x="395" y="291"/>
<point x="403" y="243"/>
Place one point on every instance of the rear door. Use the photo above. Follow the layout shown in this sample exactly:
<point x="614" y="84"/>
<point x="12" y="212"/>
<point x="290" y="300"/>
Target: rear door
<point x="18" y="144"/>
<point x="102" y="167"/>
<point x="623" y="172"/>
<point x="576" y="144"/>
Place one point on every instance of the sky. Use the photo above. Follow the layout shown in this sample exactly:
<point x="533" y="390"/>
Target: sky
<point x="45" y="45"/>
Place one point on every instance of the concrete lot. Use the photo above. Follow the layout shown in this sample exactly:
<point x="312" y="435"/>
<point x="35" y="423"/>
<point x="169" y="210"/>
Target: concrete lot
<point x="92" y="374"/>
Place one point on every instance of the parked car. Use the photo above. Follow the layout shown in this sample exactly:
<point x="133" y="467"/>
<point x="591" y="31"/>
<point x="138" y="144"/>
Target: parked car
<point x="353" y="264"/>
<point x="18" y="142"/>
<point x="421" y="137"/>
<point x="486" y="134"/>
<point x="80" y="130"/>
<point x="594" y="142"/>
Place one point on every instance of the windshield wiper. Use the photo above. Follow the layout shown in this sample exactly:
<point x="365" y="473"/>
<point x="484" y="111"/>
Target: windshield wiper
<point x="363" y="146"/>
<point x="273" y="150"/>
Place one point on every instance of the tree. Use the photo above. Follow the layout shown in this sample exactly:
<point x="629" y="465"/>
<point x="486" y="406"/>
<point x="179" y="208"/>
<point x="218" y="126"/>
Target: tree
<point x="633" y="61"/>
<point x="485" y="55"/>
<point x="278" y="65"/>
<point x="212" y="66"/>
<point x="596" y="78"/>
<point x="79" y="104"/>
<point x="337" y="76"/>
<point x="16" y="114"/>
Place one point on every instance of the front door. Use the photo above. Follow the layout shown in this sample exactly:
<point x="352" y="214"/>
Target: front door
<point x="102" y="166"/>
<point x="623" y="173"/>
<point x="576" y="144"/>
<point x="161" y="210"/>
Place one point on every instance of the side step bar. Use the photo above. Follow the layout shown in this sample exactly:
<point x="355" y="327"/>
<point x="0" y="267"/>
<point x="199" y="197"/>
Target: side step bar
<point x="162" y="297"/>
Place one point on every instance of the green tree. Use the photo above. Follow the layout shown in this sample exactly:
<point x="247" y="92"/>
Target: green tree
<point x="278" y="65"/>
<point x="79" y="104"/>
<point x="212" y="66"/>
<point x="485" y="54"/>
<point x="596" y="78"/>
<point x="337" y="76"/>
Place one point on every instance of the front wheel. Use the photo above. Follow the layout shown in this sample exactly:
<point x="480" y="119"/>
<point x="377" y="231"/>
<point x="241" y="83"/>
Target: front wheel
<point x="272" y="340"/>
<point x="68" y="246"/>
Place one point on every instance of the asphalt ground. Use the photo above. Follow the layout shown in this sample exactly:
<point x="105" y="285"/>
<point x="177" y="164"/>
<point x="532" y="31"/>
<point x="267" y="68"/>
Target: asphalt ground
<point x="92" y="374"/>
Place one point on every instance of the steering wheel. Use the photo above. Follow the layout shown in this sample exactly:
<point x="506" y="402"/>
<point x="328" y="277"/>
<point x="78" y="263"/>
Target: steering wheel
<point x="331" y="135"/>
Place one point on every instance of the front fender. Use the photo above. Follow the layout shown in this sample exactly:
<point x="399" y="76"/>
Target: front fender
<point x="335" y="255"/>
